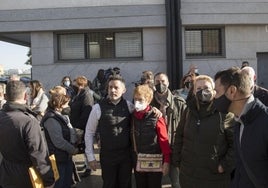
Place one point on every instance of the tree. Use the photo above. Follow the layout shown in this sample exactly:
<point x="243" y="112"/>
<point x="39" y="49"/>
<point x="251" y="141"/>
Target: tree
<point x="29" y="61"/>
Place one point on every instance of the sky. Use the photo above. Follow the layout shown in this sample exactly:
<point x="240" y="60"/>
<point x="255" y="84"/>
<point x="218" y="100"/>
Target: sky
<point x="13" y="56"/>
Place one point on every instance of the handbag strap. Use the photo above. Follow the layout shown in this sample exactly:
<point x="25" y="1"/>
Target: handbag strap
<point x="133" y="135"/>
<point x="249" y="172"/>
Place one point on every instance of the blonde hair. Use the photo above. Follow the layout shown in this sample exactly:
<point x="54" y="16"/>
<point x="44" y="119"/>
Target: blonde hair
<point x="58" y="98"/>
<point x="144" y="91"/>
<point x="57" y="90"/>
<point x="206" y="78"/>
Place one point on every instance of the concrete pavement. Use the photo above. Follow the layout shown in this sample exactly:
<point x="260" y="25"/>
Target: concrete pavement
<point x="92" y="181"/>
<point x="95" y="180"/>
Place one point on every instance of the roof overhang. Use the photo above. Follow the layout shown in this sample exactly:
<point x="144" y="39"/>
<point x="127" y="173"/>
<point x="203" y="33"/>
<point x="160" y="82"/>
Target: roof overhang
<point x="23" y="39"/>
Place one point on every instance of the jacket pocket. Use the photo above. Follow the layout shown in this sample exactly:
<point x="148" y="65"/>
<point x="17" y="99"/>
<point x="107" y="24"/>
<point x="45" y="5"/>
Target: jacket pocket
<point x="213" y="162"/>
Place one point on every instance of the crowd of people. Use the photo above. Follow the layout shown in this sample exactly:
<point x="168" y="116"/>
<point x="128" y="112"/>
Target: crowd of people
<point x="208" y="133"/>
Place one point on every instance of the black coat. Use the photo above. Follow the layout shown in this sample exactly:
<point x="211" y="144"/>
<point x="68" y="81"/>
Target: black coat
<point x="262" y="94"/>
<point x="204" y="140"/>
<point x="22" y="146"/>
<point x="81" y="106"/>
<point x="254" y="146"/>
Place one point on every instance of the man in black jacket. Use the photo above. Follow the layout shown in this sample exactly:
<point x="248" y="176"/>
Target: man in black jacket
<point x="234" y="94"/>
<point x="111" y="117"/>
<point x="21" y="142"/>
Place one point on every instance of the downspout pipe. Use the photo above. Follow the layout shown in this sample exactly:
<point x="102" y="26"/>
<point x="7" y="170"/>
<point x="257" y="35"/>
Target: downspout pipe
<point x="179" y="42"/>
<point x="173" y="42"/>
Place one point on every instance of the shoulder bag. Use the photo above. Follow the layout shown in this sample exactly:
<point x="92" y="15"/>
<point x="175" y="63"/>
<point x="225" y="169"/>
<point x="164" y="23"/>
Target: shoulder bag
<point x="147" y="162"/>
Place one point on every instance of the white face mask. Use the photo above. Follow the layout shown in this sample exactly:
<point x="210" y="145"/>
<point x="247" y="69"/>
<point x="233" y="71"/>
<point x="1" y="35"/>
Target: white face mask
<point x="67" y="83"/>
<point x="139" y="106"/>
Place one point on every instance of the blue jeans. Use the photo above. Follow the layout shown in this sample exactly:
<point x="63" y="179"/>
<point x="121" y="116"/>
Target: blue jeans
<point x="174" y="176"/>
<point x="65" y="171"/>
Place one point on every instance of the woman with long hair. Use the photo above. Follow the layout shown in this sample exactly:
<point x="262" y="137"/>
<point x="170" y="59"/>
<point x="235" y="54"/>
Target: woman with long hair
<point x="39" y="98"/>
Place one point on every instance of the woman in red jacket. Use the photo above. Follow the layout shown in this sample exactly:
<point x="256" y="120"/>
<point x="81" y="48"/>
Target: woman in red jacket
<point x="149" y="139"/>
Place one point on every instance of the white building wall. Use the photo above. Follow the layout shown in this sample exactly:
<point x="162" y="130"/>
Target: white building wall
<point x="242" y="44"/>
<point x="246" y="30"/>
<point x="42" y="48"/>
<point x="79" y="18"/>
<point x="224" y="12"/>
<point x="38" y="4"/>
<point x="50" y="72"/>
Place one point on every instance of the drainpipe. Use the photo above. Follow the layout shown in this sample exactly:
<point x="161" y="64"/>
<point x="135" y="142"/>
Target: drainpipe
<point x="174" y="42"/>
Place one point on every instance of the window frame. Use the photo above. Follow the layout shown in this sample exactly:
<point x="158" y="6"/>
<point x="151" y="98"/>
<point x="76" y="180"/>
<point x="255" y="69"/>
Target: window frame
<point x="86" y="45"/>
<point x="59" y="47"/>
<point x="203" y="55"/>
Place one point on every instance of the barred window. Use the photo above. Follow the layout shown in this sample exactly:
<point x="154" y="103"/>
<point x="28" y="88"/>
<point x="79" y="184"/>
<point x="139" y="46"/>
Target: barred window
<point x="204" y="42"/>
<point x="100" y="45"/>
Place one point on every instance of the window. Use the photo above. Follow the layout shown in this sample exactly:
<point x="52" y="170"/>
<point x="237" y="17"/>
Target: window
<point x="204" y="42"/>
<point x="72" y="46"/>
<point x="128" y="44"/>
<point x="100" y="45"/>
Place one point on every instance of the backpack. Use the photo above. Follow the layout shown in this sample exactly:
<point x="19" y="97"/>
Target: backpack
<point x="111" y="71"/>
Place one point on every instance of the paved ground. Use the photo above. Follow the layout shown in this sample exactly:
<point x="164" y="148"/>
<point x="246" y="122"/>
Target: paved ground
<point x="95" y="181"/>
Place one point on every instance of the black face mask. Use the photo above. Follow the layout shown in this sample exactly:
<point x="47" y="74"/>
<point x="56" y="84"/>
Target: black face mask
<point x="161" y="88"/>
<point x="222" y="104"/>
<point x="204" y="96"/>
<point x="188" y="84"/>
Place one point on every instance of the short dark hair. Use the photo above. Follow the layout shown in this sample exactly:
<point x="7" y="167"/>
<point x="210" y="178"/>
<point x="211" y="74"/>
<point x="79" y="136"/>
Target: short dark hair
<point x="15" y="90"/>
<point x="244" y="64"/>
<point x="115" y="77"/>
<point x="234" y="76"/>
<point x="227" y="76"/>
<point x="160" y="73"/>
<point x="191" y="75"/>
